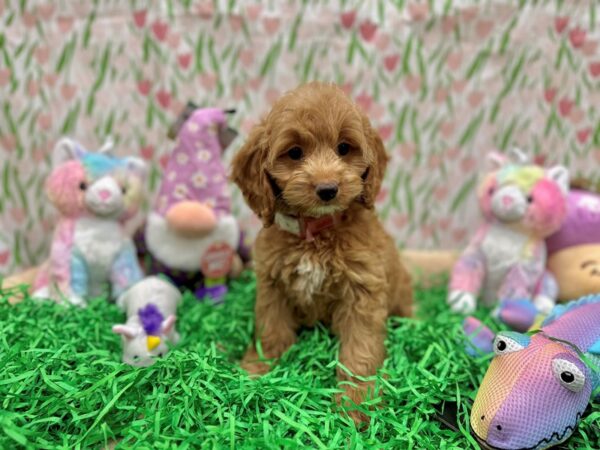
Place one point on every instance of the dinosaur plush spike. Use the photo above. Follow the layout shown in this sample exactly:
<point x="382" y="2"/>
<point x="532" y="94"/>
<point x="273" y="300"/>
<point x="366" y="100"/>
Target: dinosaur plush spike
<point x="538" y="386"/>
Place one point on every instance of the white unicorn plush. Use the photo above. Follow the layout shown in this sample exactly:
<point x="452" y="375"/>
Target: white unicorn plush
<point x="151" y="307"/>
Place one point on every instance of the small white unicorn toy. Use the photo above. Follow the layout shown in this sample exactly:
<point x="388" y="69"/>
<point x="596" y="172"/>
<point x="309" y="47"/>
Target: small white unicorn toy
<point x="151" y="307"/>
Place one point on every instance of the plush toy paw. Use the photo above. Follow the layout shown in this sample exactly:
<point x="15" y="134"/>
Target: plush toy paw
<point x="462" y="302"/>
<point x="544" y="304"/>
<point x="479" y="338"/>
<point x="519" y="315"/>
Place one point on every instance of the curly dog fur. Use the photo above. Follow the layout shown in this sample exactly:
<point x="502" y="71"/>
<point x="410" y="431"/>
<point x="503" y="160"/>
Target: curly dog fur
<point x="349" y="275"/>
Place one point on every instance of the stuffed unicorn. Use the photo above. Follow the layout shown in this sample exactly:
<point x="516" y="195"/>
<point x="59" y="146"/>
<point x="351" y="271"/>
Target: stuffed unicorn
<point x="91" y="254"/>
<point x="151" y="307"/>
<point x="506" y="260"/>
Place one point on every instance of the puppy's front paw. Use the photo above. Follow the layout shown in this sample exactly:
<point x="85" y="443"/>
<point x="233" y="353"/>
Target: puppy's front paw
<point x="353" y="396"/>
<point x="462" y="302"/>
<point x="252" y="363"/>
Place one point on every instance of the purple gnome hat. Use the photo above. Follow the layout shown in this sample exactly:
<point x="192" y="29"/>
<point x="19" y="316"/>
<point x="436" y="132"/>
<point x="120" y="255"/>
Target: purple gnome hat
<point x="151" y="319"/>
<point x="196" y="171"/>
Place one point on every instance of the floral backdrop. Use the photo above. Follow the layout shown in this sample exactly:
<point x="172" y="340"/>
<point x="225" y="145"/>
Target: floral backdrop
<point x="445" y="81"/>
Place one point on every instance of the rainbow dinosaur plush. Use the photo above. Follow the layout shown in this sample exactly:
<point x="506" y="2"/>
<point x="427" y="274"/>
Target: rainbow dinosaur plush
<point x="539" y="384"/>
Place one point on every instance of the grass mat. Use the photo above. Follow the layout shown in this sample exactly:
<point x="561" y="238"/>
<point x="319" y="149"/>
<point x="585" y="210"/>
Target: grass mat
<point x="62" y="384"/>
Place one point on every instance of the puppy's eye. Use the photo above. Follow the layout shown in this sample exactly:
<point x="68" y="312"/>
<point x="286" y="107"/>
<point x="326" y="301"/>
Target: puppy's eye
<point x="343" y="149"/>
<point x="83" y="185"/>
<point x="295" y="153"/>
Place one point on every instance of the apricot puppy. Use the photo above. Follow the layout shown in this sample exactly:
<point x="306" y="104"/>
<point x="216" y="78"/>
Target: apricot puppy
<point x="311" y="170"/>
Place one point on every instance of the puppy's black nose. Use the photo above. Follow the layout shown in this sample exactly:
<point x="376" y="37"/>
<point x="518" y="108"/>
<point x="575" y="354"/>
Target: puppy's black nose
<point x="327" y="191"/>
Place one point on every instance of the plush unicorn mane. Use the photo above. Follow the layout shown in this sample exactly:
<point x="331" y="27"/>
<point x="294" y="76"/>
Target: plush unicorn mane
<point x="151" y="319"/>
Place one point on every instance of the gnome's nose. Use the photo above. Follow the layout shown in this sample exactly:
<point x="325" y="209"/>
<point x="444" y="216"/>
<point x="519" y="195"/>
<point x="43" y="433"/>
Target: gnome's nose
<point x="191" y="219"/>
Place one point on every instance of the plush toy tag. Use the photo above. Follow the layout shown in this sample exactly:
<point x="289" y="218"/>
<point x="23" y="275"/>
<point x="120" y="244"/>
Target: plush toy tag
<point x="217" y="260"/>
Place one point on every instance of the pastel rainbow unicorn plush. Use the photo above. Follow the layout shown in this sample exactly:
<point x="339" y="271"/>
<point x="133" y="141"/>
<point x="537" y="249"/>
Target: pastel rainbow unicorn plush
<point x="539" y="384"/>
<point x="91" y="253"/>
<point x="151" y="307"/>
<point x="522" y="204"/>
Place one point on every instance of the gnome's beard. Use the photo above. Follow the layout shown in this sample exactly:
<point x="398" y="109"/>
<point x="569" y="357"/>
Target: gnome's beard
<point x="184" y="253"/>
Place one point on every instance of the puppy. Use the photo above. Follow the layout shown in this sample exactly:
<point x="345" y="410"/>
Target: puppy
<point x="311" y="171"/>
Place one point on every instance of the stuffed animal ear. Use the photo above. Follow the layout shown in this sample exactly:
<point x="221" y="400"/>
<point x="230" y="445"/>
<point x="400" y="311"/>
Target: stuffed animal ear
<point x="137" y="166"/>
<point x="125" y="330"/>
<point x="66" y="149"/>
<point x="497" y="160"/>
<point x="107" y="147"/>
<point x="560" y="175"/>
<point x="167" y="324"/>
<point x="518" y="156"/>
<point x="226" y="136"/>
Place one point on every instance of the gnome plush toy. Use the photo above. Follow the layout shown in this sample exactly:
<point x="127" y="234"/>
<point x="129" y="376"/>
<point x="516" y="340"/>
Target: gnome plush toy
<point x="190" y="235"/>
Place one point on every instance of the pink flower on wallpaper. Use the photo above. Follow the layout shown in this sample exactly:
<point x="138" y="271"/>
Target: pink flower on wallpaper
<point x="560" y="23"/>
<point x="460" y="234"/>
<point x="399" y="220"/>
<point x="440" y="95"/>
<point x="368" y="29"/>
<point x="238" y="92"/>
<point x="160" y="30"/>
<point x="454" y="60"/>
<point x="391" y="61"/>
<point x="139" y="17"/>
<point x="144" y="87"/>
<point x="377" y="111"/>
<point x="18" y="214"/>
<point x="549" y="94"/>
<point x="32" y="88"/>
<point x="440" y="193"/>
<point x="68" y="91"/>
<point x="577" y="37"/>
<point x="595" y="68"/>
<point x="444" y="223"/>
<point x="447" y="128"/>
<point x="50" y="79"/>
<point x="208" y="81"/>
<point x="45" y="11"/>
<point x="412" y="83"/>
<point x="469" y="13"/>
<point x="254" y="11"/>
<point x="365" y="101"/>
<point x="41" y="54"/>
<point x="272" y="95"/>
<point x="418" y="11"/>
<point x="173" y="40"/>
<point x="163" y="98"/>
<point x="382" y="41"/>
<point x="4" y="257"/>
<point x="8" y="142"/>
<point x="382" y="195"/>
<point x="468" y="164"/>
<point x="475" y="98"/>
<point x="408" y="150"/>
<point x="434" y="161"/>
<point x="255" y="83"/>
<point x="347" y="87"/>
<point x="246" y="57"/>
<point x="29" y="19"/>
<point x="589" y="48"/>
<point x="427" y="230"/>
<point x="459" y="86"/>
<point x="448" y="24"/>
<point x="564" y="106"/>
<point x="271" y="24"/>
<point x="576" y="115"/>
<point x="247" y="125"/>
<point x="583" y="135"/>
<point x="484" y="28"/>
<point x="184" y="60"/>
<point x="65" y="23"/>
<point x="4" y="77"/>
<point x="453" y="152"/>
<point x="44" y="121"/>
<point x="147" y="152"/>
<point x="236" y="22"/>
<point x="163" y="161"/>
<point x="385" y="131"/>
<point x="347" y="18"/>
<point x="205" y="9"/>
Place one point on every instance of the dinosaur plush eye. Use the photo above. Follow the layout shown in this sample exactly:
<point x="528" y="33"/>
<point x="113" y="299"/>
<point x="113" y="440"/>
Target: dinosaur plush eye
<point x="504" y="344"/>
<point x="568" y="374"/>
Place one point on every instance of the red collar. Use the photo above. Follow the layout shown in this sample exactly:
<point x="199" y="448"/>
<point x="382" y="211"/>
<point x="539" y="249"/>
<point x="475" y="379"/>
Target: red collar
<point x="307" y="227"/>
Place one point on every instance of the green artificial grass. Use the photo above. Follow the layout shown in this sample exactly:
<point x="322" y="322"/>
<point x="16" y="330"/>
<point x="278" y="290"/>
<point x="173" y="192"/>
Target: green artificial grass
<point x="62" y="384"/>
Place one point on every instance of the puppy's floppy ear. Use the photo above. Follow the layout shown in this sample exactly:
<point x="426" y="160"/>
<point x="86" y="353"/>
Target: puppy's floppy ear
<point x="249" y="172"/>
<point x="377" y="159"/>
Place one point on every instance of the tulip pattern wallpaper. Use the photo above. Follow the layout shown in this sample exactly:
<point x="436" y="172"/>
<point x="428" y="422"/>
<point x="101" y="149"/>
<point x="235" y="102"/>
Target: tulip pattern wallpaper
<point x="444" y="81"/>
